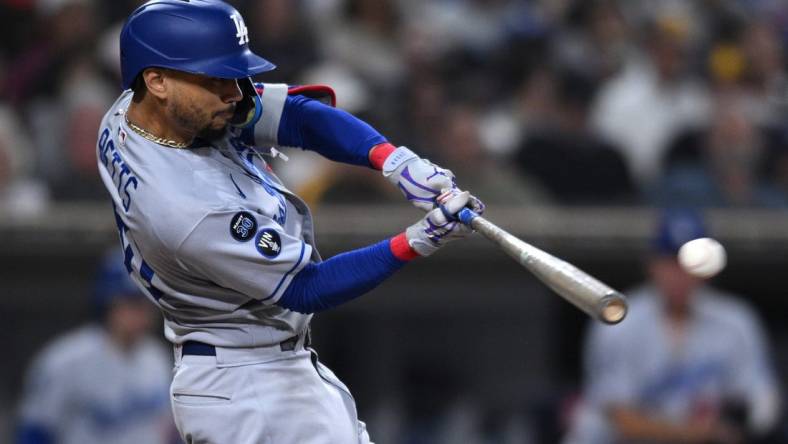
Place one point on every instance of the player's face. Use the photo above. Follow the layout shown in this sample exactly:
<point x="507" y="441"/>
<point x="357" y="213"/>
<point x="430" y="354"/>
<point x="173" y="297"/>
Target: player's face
<point x="128" y="320"/>
<point x="202" y="105"/>
<point x="674" y="284"/>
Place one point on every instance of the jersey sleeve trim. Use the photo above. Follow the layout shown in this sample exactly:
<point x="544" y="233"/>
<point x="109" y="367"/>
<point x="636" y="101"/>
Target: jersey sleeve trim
<point x="286" y="278"/>
<point x="245" y="267"/>
<point x="273" y="99"/>
<point x="322" y="93"/>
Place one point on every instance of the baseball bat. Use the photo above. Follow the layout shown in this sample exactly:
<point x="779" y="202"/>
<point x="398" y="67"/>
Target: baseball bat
<point x="576" y="286"/>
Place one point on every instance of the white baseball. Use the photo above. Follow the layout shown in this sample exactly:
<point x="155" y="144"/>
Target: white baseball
<point x="704" y="257"/>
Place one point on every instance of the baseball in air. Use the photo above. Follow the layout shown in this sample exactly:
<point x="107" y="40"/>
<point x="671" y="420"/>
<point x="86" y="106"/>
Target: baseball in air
<point x="704" y="257"/>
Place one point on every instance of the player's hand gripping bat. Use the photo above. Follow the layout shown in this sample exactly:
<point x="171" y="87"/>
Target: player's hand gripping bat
<point x="581" y="289"/>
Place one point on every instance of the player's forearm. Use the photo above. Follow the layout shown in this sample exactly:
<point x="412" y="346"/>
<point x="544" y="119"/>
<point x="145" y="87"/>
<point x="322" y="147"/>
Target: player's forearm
<point x="331" y="132"/>
<point x="634" y="425"/>
<point x="320" y="286"/>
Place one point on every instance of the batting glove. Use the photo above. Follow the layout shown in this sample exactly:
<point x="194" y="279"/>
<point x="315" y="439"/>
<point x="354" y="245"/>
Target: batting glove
<point x="421" y="181"/>
<point x="439" y="226"/>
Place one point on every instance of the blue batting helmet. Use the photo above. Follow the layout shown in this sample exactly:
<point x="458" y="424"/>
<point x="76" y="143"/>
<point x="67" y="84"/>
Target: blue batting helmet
<point x="675" y="228"/>
<point x="112" y="282"/>
<point x="205" y="37"/>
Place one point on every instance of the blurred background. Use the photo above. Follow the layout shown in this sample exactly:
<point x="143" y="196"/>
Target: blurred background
<point x="576" y="121"/>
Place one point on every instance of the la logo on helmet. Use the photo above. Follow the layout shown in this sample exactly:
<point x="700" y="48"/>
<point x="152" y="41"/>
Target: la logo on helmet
<point x="242" y="32"/>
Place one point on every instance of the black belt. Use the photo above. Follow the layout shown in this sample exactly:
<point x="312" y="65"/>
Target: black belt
<point x="196" y="348"/>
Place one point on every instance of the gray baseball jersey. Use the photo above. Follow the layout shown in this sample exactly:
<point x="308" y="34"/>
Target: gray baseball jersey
<point x="209" y="232"/>
<point x="638" y="363"/>
<point x="83" y="390"/>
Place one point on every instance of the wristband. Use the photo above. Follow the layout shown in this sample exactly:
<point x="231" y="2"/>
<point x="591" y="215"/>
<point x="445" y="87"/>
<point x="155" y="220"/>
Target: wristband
<point x="401" y="249"/>
<point x="379" y="153"/>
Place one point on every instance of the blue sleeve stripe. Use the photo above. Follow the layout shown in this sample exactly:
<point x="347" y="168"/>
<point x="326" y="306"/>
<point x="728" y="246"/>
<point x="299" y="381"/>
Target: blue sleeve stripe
<point x="282" y="281"/>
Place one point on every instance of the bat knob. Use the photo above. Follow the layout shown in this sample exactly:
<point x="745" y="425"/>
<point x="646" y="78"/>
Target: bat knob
<point x="613" y="308"/>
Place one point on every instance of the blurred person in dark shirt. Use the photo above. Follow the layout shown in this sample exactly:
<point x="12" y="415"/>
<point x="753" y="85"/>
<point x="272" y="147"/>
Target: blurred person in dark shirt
<point x="567" y="157"/>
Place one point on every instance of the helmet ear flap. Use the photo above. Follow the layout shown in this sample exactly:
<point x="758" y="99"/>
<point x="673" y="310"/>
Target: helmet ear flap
<point x="250" y="108"/>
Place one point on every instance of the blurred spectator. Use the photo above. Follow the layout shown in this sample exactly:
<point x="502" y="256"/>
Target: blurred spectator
<point x="59" y="86"/>
<point x="477" y="26"/>
<point x="596" y="39"/>
<point x="104" y="382"/>
<point x="417" y="57"/>
<point x="461" y="147"/>
<point x="401" y="64"/>
<point x="689" y="364"/>
<point x="282" y="34"/>
<point x="107" y="48"/>
<point x="764" y="77"/>
<point x="421" y="109"/>
<point x="16" y="17"/>
<point x="720" y="167"/>
<point x="573" y="163"/>
<point x="777" y="160"/>
<point x="745" y="61"/>
<point x="84" y="95"/>
<point x="365" y="39"/>
<point x="652" y="99"/>
<point x="65" y="29"/>
<point x="20" y="195"/>
<point x="532" y="107"/>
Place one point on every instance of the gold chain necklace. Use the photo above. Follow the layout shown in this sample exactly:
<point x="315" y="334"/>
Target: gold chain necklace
<point x="160" y="140"/>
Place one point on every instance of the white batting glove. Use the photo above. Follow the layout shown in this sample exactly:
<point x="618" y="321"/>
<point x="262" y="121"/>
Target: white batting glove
<point x="436" y="229"/>
<point x="420" y="180"/>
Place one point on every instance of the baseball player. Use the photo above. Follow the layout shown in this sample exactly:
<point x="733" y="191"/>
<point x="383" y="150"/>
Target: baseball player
<point x="689" y="364"/>
<point x="219" y="243"/>
<point x="104" y="382"/>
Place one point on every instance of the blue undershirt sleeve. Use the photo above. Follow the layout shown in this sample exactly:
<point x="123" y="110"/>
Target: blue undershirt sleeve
<point x="331" y="132"/>
<point x="323" y="285"/>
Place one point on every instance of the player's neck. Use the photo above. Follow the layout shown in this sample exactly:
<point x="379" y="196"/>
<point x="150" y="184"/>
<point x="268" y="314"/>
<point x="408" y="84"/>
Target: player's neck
<point x="155" y="121"/>
<point x="678" y="313"/>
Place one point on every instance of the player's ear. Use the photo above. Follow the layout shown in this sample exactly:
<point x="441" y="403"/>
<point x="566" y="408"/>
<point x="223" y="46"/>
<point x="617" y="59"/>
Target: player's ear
<point x="156" y="82"/>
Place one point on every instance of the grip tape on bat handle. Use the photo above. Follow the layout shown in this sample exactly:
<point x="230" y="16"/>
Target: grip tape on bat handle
<point x="466" y="216"/>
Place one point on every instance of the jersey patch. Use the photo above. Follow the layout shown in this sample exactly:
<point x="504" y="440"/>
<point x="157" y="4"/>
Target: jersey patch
<point x="243" y="226"/>
<point x="268" y="243"/>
